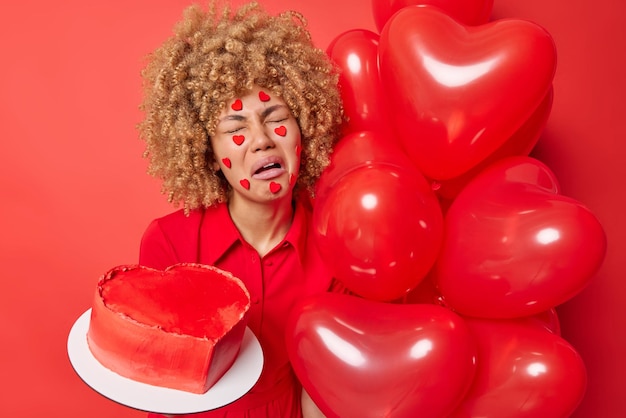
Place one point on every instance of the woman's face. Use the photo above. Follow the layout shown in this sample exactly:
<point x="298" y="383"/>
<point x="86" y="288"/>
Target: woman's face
<point x="257" y="146"/>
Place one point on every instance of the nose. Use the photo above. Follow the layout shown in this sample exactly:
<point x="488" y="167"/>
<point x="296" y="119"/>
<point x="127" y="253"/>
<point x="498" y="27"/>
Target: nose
<point x="261" y="140"/>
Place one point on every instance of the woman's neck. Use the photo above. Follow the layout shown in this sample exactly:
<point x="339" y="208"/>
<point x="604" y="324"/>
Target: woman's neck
<point x="262" y="225"/>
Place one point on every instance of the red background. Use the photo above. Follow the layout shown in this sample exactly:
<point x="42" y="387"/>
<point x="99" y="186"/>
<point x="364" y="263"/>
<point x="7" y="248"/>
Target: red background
<point x="75" y="198"/>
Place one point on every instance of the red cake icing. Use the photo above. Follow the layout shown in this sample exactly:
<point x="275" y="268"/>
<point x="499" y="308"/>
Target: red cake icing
<point x="180" y="328"/>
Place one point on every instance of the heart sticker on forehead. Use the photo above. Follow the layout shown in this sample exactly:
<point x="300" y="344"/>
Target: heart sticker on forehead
<point x="264" y="97"/>
<point x="238" y="139"/>
<point x="237" y="105"/>
<point x="281" y="130"/>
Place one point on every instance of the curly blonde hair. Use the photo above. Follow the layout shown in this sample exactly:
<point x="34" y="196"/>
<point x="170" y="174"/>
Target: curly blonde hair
<point x="214" y="57"/>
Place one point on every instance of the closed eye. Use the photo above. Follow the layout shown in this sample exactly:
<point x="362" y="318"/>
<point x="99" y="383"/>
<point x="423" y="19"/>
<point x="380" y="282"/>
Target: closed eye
<point x="235" y="130"/>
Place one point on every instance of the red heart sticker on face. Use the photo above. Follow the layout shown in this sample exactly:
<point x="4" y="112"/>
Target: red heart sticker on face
<point x="245" y="183"/>
<point x="238" y="139"/>
<point x="281" y="130"/>
<point x="226" y="162"/>
<point x="341" y="344"/>
<point x="275" y="187"/>
<point x="237" y="105"/>
<point x="264" y="97"/>
<point x="514" y="246"/>
<point x="459" y="92"/>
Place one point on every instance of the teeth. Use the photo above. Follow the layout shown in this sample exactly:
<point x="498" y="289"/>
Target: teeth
<point x="268" y="167"/>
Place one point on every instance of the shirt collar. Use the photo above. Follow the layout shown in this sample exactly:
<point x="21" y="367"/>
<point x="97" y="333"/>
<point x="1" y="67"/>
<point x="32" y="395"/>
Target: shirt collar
<point x="218" y="233"/>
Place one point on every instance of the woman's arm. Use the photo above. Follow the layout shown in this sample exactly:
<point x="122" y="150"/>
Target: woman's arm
<point x="309" y="409"/>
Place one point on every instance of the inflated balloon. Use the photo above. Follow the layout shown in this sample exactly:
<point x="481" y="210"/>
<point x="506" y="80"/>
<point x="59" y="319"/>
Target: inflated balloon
<point x="522" y="372"/>
<point x="457" y="93"/>
<point x="521" y="143"/>
<point x="427" y="292"/>
<point x="513" y="246"/>
<point x="520" y="169"/>
<point x="469" y="12"/>
<point x="424" y="292"/>
<point x="379" y="228"/>
<point x="548" y="320"/>
<point x="362" y="149"/>
<point x="356" y="54"/>
<point x="361" y="358"/>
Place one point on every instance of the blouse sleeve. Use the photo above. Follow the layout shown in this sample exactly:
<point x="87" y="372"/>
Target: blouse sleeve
<point x="156" y="250"/>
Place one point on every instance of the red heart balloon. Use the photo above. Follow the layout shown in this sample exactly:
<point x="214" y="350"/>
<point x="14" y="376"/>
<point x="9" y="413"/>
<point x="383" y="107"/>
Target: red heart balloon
<point x="361" y="358"/>
<point x="361" y="149"/>
<point x="425" y="292"/>
<point x="356" y="54"/>
<point x="513" y="246"/>
<point x="519" y="169"/>
<point x="521" y="143"/>
<point x="522" y="372"/>
<point x="457" y="93"/>
<point x="548" y="320"/>
<point x="469" y="12"/>
<point x="379" y="228"/>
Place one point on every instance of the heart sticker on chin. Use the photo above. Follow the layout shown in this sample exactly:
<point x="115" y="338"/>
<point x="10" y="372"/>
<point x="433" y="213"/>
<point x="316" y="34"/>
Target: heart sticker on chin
<point x="281" y="130"/>
<point x="264" y="97"/>
<point x="245" y="183"/>
<point x="238" y="139"/>
<point x="275" y="187"/>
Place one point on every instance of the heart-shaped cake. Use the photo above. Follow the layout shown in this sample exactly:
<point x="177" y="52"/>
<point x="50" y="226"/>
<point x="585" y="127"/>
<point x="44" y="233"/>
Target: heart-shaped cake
<point x="179" y="328"/>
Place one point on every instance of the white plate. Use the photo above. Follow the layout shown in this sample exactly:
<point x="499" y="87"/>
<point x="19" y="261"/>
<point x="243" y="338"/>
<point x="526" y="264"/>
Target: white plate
<point x="237" y="381"/>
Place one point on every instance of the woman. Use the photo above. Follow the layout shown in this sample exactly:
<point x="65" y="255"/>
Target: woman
<point x="241" y="114"/>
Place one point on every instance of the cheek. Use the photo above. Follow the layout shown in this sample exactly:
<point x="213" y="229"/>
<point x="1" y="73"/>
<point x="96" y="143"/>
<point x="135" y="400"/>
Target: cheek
<point x="228" y="156"/>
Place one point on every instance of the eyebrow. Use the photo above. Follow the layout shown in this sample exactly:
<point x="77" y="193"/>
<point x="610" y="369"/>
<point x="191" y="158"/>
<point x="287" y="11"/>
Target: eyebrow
<point x="266" y="112"/>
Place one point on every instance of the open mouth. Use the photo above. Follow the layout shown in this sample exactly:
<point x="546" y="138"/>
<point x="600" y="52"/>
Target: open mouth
<point x="268" y="167"/>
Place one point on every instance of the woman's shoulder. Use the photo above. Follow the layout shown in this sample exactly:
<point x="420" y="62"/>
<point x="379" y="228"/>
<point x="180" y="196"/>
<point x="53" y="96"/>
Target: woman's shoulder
<point x="173" y="238"/>
<point x="182" y="219"/>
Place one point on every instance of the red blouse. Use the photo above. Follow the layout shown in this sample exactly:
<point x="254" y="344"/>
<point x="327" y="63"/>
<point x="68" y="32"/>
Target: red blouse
<point x="291" y="270"/>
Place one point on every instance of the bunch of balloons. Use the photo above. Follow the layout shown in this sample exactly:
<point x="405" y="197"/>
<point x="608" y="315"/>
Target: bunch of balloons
<point x="455" y="245"/>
